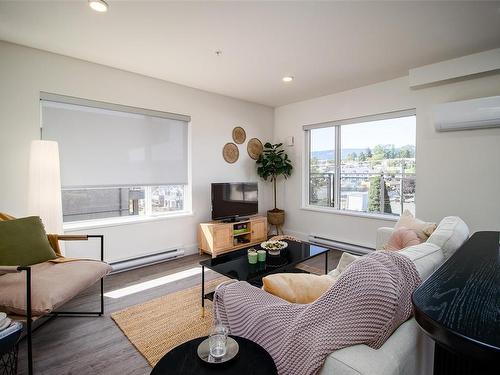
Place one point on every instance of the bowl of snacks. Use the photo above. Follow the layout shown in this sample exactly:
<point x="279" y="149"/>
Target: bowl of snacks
<point x="274" y="247"/>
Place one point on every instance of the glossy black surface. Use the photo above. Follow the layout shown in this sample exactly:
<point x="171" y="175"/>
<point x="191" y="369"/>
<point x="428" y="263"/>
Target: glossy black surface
<point x="251" y="359"/>
<point x="235" y="264"/>
<point x="459" y="304"/>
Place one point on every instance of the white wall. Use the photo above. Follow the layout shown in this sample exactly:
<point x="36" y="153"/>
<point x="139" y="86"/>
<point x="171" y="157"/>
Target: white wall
<point x="24" y="72"/>
<point x="458" y="173"/>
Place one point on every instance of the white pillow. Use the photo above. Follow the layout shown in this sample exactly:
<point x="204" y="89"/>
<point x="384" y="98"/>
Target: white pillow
<point x="450" y="234"/>
<point x="344" y="261"/>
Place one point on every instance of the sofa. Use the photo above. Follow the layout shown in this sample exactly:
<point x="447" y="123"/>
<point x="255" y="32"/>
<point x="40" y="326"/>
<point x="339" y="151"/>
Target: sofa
<point x="408" y="351"/>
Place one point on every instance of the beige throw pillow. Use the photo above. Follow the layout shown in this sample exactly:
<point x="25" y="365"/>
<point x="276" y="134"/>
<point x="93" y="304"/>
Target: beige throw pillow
<point x="303" y="287"/>
<point x="422" y="228"/>
<point x="297" y="287"/>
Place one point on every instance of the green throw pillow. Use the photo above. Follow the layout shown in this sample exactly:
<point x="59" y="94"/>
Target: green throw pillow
<point x="23" y="242"/>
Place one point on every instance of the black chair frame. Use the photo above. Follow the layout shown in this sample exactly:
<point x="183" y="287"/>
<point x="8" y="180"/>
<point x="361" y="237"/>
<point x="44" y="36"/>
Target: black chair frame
<point x="29" y="316"/>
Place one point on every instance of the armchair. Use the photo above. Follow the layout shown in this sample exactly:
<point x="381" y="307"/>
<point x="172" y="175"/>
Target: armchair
<point x="44" y="290"/>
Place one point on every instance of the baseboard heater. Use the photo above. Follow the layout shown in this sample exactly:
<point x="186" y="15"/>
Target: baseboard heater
<point x="146" y="260"/>
<point x="344" y="246"/>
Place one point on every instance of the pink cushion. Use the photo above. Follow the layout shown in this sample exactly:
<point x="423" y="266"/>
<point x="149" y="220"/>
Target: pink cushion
<point x="402" y="238"/>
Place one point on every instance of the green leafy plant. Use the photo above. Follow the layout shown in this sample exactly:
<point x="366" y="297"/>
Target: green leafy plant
<point x="272" y="163"/>
<point x="374" y="195"/>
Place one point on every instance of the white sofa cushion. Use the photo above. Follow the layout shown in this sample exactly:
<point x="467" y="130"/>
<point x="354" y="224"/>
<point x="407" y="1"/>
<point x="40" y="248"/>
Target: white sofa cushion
<point x="450" y="234"/>
<point x="344" y="261"/>
<point x="427" y="257"/>
<point x="408" y="351"/>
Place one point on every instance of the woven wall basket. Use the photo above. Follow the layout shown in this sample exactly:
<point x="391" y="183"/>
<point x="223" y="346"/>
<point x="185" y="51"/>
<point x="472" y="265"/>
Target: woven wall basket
<point x="254" y="148"/>
<point x="230" y="152"/>
<point x="239" y="135"/>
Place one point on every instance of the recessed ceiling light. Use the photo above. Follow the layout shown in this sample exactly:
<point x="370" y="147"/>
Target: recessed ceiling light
<point x="98" y="5"/>
<point x="287" y="79"/>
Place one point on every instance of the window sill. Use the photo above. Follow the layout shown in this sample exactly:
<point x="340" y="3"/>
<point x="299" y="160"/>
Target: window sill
<point x="351" y="213"/>
<point x="113" y="222"/>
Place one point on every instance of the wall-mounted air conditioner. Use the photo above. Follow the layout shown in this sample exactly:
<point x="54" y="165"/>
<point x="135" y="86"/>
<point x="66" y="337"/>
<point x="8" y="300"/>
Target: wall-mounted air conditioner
<point x="468" y="114"/>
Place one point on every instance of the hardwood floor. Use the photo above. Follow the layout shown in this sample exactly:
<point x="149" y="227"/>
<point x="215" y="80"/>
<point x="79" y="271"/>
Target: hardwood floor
<point x="95" y="345"/>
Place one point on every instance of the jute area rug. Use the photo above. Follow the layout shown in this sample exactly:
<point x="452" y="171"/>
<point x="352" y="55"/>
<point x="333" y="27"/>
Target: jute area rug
<point x="157" y="326"/>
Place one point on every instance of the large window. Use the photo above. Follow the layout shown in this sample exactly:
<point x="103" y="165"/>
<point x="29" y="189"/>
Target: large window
<point x="117" y="161"/>
<point x="363" y="165"/>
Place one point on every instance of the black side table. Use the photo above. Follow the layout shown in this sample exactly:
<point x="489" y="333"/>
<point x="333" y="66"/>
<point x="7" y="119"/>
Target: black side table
<point x="458" y="307"/>
<point x="251" y="359"/>
<point x="8" y="349"/>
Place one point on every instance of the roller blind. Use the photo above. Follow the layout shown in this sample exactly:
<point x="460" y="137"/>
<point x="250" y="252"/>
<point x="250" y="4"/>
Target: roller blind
<point x="101" y="147"/>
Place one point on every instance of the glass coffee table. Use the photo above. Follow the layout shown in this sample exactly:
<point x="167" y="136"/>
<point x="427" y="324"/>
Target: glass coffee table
<point x="235" y="264"/>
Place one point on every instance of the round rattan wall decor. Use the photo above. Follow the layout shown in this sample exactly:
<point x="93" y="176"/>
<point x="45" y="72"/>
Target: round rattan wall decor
<point x="239" y="135"/>
<point x="230" y="152"/>
<point x="254" y="148"/>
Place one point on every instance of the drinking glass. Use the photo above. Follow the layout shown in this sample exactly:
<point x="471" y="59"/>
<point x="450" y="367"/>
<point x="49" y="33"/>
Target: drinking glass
<point x="217" y="341"/>
<point x="252" y="256"/>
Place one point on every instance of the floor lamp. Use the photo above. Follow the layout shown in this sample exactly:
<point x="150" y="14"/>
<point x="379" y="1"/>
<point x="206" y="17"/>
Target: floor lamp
<point x="44" y="194"/>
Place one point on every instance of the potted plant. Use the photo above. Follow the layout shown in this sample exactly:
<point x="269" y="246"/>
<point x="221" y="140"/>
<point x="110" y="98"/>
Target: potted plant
<point x="273" y="163"/>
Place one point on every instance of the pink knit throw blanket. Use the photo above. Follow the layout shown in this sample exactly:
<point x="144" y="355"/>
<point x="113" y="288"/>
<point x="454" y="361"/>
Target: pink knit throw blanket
<point x="369" y="301"/>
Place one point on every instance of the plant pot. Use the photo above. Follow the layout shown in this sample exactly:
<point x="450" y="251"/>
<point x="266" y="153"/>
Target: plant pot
<point x="276" y="217"/>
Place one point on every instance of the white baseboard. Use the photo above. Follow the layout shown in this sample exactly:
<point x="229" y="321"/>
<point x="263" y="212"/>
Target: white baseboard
<point x="146" y="260"/>
<point x="153" y="258"/>
<point x="347" y="246"/>
<point x="191" y="249"/>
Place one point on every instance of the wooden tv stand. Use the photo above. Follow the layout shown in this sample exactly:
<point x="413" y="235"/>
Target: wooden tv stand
<point x="218" y="238"/>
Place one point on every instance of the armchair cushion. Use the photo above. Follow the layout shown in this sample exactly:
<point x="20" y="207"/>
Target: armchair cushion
<point x="23" y="242"/>
<point x="51" y="286"/>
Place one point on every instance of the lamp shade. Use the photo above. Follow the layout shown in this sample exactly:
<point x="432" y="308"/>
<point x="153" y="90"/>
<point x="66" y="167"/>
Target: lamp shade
<point x="44" y="193"/>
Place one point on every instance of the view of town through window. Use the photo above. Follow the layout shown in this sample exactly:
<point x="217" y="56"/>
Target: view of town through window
<point x="376" y="166"/>
<point x="99" y="203"/>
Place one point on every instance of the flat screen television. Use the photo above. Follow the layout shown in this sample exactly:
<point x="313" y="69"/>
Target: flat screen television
<point x="234" y="199"/>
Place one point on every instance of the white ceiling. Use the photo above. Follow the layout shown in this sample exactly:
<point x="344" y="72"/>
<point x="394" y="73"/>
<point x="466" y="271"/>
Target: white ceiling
<point x="327" y="46"/>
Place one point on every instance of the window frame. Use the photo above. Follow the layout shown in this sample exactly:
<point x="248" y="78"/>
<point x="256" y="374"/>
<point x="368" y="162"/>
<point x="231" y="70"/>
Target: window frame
<point x="337" y="124"/>
<point x="149" y="216"/>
